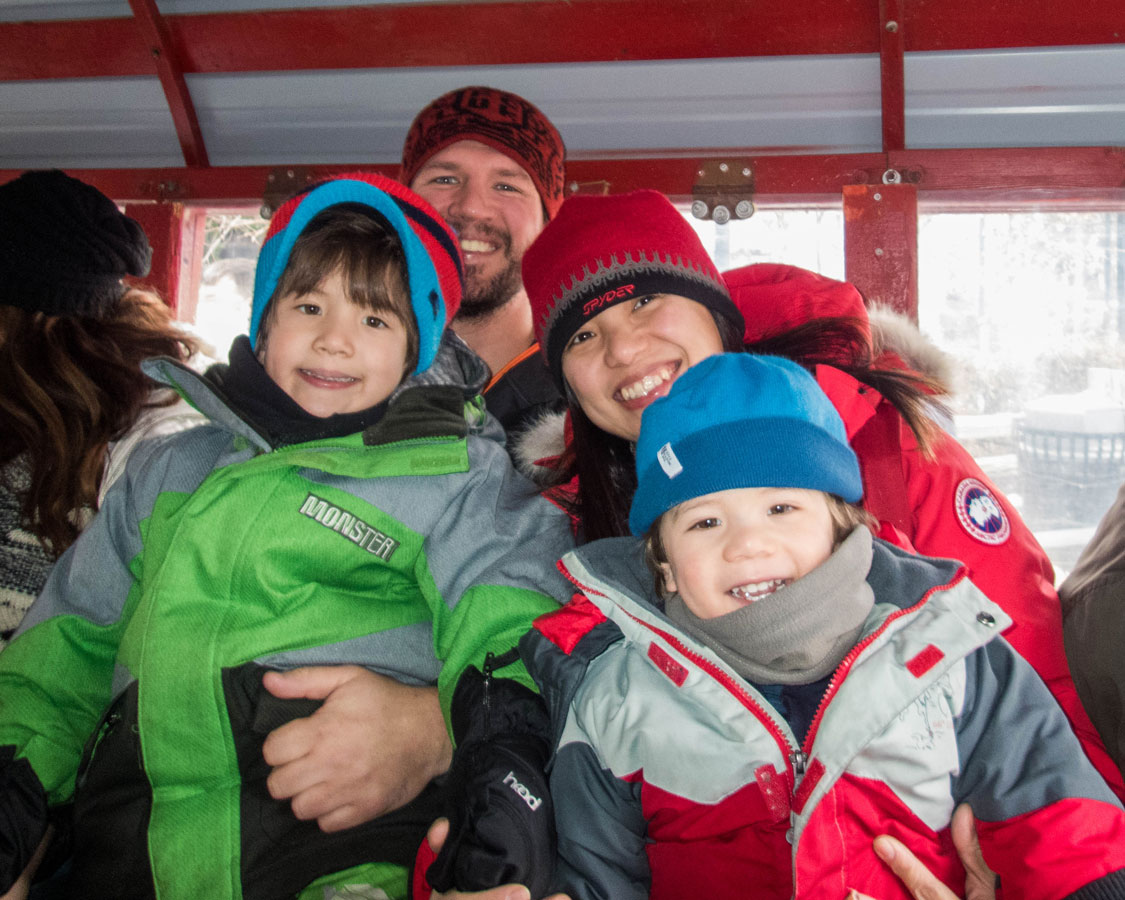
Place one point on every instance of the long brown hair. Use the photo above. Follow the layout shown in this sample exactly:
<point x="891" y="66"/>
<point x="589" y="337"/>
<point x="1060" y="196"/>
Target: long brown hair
<point x="604" y="463"/>
<point x="72" y="385"/>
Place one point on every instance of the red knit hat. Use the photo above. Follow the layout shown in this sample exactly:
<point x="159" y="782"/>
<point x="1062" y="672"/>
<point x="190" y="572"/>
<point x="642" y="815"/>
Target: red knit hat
<point x="505" y="122"/>
<point x="601" y="251"/>
<point x="774" y="298"/>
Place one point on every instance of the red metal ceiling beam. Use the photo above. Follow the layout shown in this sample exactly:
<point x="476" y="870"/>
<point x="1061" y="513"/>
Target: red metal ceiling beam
<point x="976" y="25"/>
<point x="1012" y="174"/>
<point x="452" y="34"/>
<point x="892" y="74"/>
<point x="154" y="32"/>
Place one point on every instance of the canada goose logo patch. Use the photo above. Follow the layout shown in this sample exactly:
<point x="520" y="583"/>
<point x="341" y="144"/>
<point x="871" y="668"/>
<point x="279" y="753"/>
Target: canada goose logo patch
<point x="980" y="513"/>
<point x="364" y="536"/>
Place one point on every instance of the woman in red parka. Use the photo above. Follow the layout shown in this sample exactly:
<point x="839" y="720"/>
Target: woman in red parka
<point x="625" y="299"/>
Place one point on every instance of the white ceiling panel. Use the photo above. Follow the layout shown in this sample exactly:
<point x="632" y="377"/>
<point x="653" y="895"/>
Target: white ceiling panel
<point x="362" y="116"/>
<point x="1016" y="98"/>
<point x="86" y="123"/>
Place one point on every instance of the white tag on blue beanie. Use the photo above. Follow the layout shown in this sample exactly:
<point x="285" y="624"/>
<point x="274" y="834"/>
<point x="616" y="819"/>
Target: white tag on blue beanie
<point x="668" y="461"/>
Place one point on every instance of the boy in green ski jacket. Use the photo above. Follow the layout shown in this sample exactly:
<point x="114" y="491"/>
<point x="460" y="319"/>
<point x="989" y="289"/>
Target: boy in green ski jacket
<point x="348" y="503"/>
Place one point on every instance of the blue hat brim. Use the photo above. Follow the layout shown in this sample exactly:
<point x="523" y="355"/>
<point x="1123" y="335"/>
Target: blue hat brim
<point x="770" y="452"/>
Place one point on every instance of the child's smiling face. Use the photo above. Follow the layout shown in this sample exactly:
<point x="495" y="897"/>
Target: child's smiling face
<point x="331" y="355"/>
<point x="731" y="548"/>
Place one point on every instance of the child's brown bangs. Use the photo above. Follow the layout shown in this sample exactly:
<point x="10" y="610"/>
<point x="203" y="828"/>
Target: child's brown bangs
<point x="373" y="267"/>
<point x="357" y="243"/>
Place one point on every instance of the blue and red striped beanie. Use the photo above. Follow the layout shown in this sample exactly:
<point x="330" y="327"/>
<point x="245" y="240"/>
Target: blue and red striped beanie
<point x="434" y="269"/>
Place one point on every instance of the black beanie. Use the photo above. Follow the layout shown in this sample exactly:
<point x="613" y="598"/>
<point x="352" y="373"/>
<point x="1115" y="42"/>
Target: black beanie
<point x="65" y="246"/>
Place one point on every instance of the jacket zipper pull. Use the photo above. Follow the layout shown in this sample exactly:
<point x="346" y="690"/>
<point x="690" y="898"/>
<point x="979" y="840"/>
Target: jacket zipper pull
<point x="489" y="668"/>
<point x="492" y="662"/>
<point x="800" y="760"/>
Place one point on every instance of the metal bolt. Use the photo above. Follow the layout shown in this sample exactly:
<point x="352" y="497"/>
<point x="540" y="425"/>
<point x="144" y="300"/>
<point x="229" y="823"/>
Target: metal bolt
<point x="744" y="209"/>
<point x="878" y="251"/>
<point x="573" y="187"/>
<point x="892" y="26"/>
<point x="723" y="167"/>
<point x="986" y="619"/>
<point x="264" y="211"/>
<point x="699" y="209"/>
<point x="288" y="173"/>
<point x="892" y="176"/>
<point x="746" y="172"/>
<point x="721" y="215"/>
<point x="876" y="196"/>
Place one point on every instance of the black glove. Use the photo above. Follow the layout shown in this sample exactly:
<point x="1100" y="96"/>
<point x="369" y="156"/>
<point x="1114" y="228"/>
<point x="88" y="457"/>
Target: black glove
<point x="23" y="815"/>
<point x="502" y="822"/>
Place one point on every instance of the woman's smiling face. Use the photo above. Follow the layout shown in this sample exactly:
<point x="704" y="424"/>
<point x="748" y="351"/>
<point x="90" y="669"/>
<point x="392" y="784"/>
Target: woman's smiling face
<point x="622" y="359"/>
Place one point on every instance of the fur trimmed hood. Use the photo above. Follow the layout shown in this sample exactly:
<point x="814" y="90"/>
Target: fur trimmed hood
<point x="542" y="439"/>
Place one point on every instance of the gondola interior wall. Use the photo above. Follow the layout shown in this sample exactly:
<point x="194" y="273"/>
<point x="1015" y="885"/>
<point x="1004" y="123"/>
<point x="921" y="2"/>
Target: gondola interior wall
<point x="959" y="161"/>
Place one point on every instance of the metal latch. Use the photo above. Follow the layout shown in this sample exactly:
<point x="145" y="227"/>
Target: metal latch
<point x="723" y="188"/>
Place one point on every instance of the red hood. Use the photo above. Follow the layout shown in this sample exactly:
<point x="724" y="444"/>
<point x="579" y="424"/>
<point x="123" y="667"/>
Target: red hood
<point x="774" y="297"/>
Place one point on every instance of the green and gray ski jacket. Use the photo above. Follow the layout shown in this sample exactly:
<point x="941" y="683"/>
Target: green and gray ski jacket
<point x="412" y="548"/>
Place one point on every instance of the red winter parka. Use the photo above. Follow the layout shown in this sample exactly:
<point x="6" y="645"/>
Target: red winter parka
<point x="943" y="504"/>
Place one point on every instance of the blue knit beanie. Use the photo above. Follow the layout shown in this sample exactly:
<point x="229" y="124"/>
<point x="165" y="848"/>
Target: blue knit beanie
<point x="434" y="270"/>
<point x="737" y="420"/>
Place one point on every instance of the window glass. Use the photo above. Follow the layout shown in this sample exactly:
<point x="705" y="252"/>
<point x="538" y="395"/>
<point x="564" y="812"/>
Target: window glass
<point x="226" y="286"/>
<point x="1029" y="304"/>
<point x="810" y="238"/>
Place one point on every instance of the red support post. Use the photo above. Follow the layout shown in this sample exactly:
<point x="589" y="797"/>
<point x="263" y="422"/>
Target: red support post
<point x="162" y="223"/>
<point x="881" y="244"/>
<point x="193" y="225"/>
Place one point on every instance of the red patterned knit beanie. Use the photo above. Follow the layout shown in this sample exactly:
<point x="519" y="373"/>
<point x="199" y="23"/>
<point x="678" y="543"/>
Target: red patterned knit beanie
<point x="503" y="121"/>
<point x="601" y="251"/>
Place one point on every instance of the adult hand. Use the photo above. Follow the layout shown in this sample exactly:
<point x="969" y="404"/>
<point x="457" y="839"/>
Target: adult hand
<point x="980" y="881"/>
<point x="436" y="836"/>
<point x="372" y="746"/>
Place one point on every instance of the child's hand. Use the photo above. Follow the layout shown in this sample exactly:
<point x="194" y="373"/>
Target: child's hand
<point x="371" y="747"/>
<point x="436" y="836"/>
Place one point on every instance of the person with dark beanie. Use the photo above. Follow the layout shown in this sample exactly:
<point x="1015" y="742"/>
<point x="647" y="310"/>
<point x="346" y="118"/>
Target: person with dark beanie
<point x="73" y="399"/>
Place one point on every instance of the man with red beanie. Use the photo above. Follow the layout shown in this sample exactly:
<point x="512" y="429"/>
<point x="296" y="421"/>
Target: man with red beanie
<point x="492" y="164"/>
